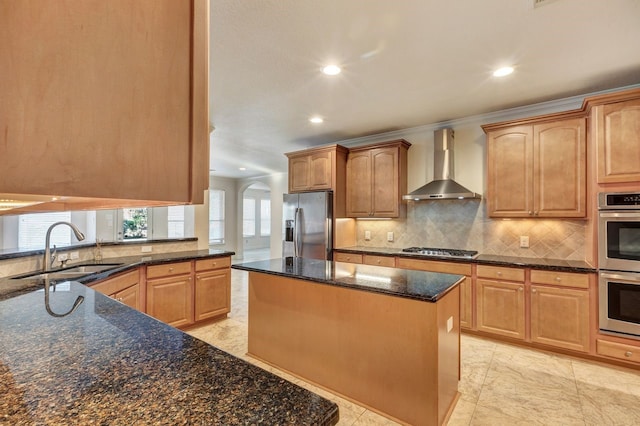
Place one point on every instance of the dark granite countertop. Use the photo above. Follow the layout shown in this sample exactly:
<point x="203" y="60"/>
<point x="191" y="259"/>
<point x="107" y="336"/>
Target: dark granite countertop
<point x="487" y="259"/>
<point x="419" y="285"/>
<point x="106" y="363"/>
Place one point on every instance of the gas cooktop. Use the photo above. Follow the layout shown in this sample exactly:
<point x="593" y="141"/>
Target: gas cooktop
<point x="442" y="252"/>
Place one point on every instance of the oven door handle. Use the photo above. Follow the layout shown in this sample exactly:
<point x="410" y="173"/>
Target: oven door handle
<point x="613" y="215"/>
<point x="634" y="278"/>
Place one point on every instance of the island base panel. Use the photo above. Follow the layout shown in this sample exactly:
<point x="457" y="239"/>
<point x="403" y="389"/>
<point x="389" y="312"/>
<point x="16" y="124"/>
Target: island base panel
<point x="397" y="355"/>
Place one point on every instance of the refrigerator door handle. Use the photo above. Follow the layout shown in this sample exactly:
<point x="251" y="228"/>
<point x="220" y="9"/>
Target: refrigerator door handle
<point x="296" y="233"/>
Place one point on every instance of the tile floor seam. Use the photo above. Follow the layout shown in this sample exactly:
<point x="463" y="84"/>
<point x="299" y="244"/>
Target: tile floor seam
<point x="575" y="381"/>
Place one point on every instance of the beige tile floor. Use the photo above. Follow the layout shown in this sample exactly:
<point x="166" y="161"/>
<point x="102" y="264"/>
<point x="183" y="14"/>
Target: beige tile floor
<point x="501" y="384"/>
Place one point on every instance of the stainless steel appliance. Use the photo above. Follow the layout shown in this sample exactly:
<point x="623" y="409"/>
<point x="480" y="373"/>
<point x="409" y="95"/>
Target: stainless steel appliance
<point x="619" y="303"/>
<point x="442" y="252"/>
<point x="308" y="230"/>
<point x="619" y="263"/>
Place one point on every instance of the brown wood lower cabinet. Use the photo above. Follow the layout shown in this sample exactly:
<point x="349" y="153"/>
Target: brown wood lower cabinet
<point x="170" y="297"/>
<point x="560" y="313"/>
<point x="500" y="306"/>
<point x="124" y="288"/>
<point x="212" y="288"/>
<point x="184" y="293"/>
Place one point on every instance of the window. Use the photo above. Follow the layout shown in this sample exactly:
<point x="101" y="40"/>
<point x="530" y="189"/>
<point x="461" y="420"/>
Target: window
<point x="216" y="216"/>
<point x="32" y="230"/>
<point x="249" y="217"/>
<point x="175" y="222"/>
<point x="265" y="218"/>
<point x="134" y="224"/>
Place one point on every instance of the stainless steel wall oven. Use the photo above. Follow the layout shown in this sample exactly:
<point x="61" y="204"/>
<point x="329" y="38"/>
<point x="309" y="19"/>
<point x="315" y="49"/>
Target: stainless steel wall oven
<point x="619" y="263"/>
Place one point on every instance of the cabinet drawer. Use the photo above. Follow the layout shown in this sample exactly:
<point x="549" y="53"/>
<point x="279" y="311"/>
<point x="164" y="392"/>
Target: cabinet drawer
<point x="618" y="350"/>
<point x="168" y="269"/>
<point x="500" y="273"/>
<point x="379" y="260"/>
<point x="562" y="279"/>
<point x="434" y="266"/>
<point x="117" y="283"/>
<point x="214" y="263"/>
<point x="347" y="257"/>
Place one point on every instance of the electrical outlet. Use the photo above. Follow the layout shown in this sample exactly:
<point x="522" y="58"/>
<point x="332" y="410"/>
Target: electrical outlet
<point x="63" y="256"/>
<point x="390" y="236"/>
<point x="146" y="249"/>
<point x="524" y="241"/>
<point x="74" y="255"/>
<point x="367" y="235"/>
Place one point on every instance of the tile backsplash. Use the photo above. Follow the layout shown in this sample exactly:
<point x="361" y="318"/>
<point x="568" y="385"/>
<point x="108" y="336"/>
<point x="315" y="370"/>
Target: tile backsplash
<point x="464" y="224"/>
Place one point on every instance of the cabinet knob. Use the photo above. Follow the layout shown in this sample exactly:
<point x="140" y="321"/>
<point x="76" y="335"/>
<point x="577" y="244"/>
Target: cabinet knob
<point x="628" y="354"/>
<point x="120" y="300"/>
<point x="520" y="289"/>
<point x="535" y="213"/>
<point x="214" y="264"/>
<point x="558" y="279"/>
<point x="530" y="213"/>
<point x="378" y="262"/>
<point x="499" y="273"/>
<point x="170" y="269"/>
<point x="533" y="290"/>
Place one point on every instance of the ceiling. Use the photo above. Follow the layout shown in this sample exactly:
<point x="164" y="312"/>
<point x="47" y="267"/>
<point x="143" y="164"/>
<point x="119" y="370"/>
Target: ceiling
<point x="405" y="64"/>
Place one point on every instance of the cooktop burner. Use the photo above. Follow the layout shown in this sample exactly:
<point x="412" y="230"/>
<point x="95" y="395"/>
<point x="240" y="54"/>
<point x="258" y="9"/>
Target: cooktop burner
<point x="442" y="252"/>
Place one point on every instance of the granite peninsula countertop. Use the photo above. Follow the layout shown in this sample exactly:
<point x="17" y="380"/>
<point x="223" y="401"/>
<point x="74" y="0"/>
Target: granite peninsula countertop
<point x="485" y="259"/>
<point x="10" y="286"/>
<point x="419" y="285"/>
<point x="106" y="363"/>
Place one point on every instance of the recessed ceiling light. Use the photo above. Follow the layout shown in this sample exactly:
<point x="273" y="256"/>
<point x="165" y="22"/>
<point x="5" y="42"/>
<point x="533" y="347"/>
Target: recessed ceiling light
<point x="501" y="72"/>
<point x="331" y="70"/>
<point x="242" y="169"/>
<point x="316" y="120"/>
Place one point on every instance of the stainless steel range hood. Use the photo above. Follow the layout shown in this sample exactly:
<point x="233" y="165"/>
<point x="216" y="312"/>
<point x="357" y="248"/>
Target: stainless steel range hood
<point x="443" y="187"/>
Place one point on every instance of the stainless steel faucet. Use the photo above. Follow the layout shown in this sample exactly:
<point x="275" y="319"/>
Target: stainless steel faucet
<point x="46" y="262"/>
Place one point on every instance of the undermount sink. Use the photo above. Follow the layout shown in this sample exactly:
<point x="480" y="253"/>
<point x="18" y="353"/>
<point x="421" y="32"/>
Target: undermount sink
<point x="71" y="272"/>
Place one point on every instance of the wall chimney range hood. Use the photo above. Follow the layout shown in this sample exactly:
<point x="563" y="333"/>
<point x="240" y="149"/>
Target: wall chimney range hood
<point x="443" y="187"/>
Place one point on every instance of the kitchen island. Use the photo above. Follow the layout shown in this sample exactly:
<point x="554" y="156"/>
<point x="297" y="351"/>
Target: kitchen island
<point x="106" y="363"/>
<point x="386" y="338"/>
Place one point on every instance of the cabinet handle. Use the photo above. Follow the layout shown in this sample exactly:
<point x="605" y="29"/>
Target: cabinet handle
<point x="628" y="354"/>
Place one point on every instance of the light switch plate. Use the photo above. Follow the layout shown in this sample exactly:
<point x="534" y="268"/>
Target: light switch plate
<point x="524" y="241"/>
<point x="390" y="236"/>
<point x="367" y="235"/>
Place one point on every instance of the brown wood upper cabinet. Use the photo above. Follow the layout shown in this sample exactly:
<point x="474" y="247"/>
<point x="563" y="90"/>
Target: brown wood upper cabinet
<point x="377" y="179"/>
<point x="616" y="127"/>
<point x="317" y="169"/>
<point x="537" y="169"/>
<point x="107" y="100"/>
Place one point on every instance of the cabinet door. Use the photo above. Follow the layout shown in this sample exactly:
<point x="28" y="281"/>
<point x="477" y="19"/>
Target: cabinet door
<point x="510" y="172"/>
<point x="299" y="174"/>
<point x="212" y="294"/>
<point x="501" y="308"/>
<point x="359" y="187"/>
<point x="88" y="88"/>
<point x="384" y="178"/>
<point x="618" y="139"/>
<point x="560" y="317"/>
<point x="170" y="300"/>
<point x="466" y="307"/>
<point x="129" y="296"/>
<point x="320" y="170"/>
<point x="560" y="169"/>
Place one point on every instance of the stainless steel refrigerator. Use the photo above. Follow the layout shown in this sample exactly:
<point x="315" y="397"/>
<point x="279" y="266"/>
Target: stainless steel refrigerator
<point x="308" y="230"/>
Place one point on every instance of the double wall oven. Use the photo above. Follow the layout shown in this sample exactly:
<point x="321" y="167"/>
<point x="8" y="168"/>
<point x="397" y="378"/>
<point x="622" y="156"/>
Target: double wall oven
<point x="619" y="263"/>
